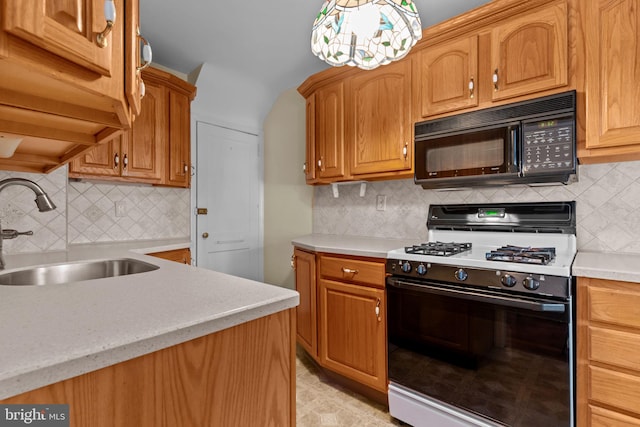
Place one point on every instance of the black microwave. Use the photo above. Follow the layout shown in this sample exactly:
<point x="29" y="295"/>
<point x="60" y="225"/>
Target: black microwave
<point x="529" y="142"/>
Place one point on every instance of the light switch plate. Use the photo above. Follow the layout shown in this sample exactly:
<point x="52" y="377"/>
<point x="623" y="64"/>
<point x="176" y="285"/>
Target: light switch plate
<point x="121" y="209"/>
<point x="381" y="202"/>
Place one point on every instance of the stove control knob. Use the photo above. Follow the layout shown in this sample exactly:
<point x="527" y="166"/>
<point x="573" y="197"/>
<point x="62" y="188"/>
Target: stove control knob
<point x="509" y="281"/>
<point x="531" y="283"/>
<point x="461" y="275"/>
<point x="406" y="267"/>
<point x="421" y="269"/>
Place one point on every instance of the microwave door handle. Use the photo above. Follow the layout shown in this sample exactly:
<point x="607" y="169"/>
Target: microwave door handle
<point x="465" y="294"/>
<point x="515" y="146"/>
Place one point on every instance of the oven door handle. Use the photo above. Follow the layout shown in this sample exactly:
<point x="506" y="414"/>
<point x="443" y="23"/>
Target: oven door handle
<point x="480" y="297"/>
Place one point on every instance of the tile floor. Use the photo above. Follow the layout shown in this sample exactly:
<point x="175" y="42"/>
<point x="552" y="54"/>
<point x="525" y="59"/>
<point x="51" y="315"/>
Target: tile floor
<point x="321" y="402"/>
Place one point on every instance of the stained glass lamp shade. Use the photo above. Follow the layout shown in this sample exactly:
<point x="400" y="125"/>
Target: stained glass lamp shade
<point x="365" y="33"/>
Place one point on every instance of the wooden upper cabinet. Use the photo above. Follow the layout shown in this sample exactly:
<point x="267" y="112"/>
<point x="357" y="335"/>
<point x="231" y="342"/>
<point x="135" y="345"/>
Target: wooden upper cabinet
<point x="135" y="155"/>
<point x="529" y="53"/>
<point x="310" y="153"/>
<point x="613" y="77"/>
<point x="446" y="76"/>
<point x="67" y="29"/>
<point x="143" y="152"/>
<point x="61" y="91"/>
<point x="329" y="131"/>
<point x="134" y="86"/>
<point x="379" y="124"/>
<point x="178" y="153"/>
<point x="156" y="150"/>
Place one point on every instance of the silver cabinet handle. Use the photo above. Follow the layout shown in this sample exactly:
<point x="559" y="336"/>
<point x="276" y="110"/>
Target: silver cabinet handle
<point x="185" y="168"/>
<point x="346" y="270"/>
<point x="472" y="88"/>
<point x="320" y="163"/>
<point x="147" y="53"/>
<point x="495" y="80"/>
<point x="125" y="162"/>
<point x="378" y="310"/>
<point x="116" y="160"/>
<point x="405" y="150"/>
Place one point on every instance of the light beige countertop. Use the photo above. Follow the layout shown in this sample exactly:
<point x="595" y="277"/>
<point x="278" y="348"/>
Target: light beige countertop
<point x="51" y="333"/>
<point x="375" y="247"/>
<point x="612" y="266"/>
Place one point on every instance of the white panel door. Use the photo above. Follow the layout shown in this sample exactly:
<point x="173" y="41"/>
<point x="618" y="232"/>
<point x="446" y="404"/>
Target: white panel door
<point x="227" y="174"/>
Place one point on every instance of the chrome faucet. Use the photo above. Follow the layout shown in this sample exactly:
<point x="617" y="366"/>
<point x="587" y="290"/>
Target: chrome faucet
<point x="43" y="202"/>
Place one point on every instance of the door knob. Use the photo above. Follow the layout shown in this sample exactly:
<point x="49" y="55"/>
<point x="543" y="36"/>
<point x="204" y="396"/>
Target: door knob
<point x="205" y="235"/>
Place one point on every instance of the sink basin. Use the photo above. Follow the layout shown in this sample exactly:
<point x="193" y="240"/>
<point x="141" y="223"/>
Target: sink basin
<point x="75" y="271"/>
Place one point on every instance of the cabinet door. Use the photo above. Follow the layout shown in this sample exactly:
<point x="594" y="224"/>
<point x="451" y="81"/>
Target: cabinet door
<point x="446" y="77"/>
<point x="379" y="122"/>
<point x="178" y="148"/>
<point x="304" y="264"/>
<point x="67" y="29"/>
<point x="329" y="131"/>
<point x="142" y="155"/>
<point x="310" y="157"/>
<point x="352" y="332"/>
<point x="103" y="160"/>
<point x="529" y="53"/>
<point x="613" y="73"/>
<point x="133" y="79"/>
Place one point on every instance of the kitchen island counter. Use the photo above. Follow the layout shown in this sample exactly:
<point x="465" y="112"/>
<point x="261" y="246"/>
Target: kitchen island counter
<point x="54" y="332"/>
<point x="623" y="267"/>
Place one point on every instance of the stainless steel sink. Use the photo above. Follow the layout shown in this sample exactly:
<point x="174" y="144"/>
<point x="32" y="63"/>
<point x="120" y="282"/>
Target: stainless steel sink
<point x="74" y="272"/>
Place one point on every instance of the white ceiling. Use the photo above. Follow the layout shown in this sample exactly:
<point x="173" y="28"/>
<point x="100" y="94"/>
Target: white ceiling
<point x="263" y="40"/>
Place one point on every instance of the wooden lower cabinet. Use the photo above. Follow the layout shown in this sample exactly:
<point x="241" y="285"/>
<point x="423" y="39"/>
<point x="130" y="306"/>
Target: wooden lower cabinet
<point x="304" y="264"/>
<point x="241" y="376"/>
<point x="608" y="380"/>
<point x="341" y="319"/>
<point x="352" y="332"/>
<point x="182" y="256"/>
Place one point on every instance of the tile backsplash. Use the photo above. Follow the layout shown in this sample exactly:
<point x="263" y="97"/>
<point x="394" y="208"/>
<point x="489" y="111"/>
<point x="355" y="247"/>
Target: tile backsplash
<point x="86" y="213"/>
<point x="607" y="203"/>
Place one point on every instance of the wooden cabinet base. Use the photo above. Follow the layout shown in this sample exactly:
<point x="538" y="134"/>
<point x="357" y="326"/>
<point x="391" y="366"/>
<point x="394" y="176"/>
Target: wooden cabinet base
<point x="240" y="376"/>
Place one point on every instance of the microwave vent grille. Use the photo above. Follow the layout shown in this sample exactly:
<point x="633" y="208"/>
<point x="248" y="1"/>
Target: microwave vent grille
<point x="556" y="104"/>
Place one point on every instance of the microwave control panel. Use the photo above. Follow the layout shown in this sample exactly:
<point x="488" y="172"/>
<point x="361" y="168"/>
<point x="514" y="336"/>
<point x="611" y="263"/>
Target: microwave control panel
<point x="548" y="146"/>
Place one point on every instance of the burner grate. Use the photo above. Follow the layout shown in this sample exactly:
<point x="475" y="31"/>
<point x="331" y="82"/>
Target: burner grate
<point x="438" y="248"/>
<point x="526" y="255"/>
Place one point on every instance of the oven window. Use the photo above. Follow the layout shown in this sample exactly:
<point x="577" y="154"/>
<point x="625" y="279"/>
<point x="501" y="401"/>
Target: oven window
<point x="509" y="365"/>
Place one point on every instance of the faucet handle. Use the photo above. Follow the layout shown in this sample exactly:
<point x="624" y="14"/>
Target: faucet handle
<point x="12" y="234"/>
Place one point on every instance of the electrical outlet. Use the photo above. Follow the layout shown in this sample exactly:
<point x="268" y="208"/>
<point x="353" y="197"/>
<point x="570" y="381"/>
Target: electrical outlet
<point x="121" y="209"/>
<point x="381" y="202"/>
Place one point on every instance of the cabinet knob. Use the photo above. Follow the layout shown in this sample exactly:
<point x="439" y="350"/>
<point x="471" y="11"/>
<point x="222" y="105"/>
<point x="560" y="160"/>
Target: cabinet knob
<point x="125" y="162"/>
<point x="495" y="80"/>
<point x="472" y="87"/>
<point x="378" y="310"/>
<point x="293" y="262"/>
<point x="185" y="167"/>
<point x="110" y="17"/>
<point x="320" y="163"/>
<point x="405" y="150"/>
<point x="205" y="235"/>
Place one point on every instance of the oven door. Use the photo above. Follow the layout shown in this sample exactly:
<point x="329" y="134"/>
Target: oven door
<point x="500" y="360"/>
<point x="456" y="159"/>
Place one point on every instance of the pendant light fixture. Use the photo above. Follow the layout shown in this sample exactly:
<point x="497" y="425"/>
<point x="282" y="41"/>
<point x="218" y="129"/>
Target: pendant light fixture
<point x="365" y="33"/>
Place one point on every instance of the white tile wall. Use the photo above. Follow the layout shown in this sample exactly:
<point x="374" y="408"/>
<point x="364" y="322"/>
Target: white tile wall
<point x="86" y="213"/>
<point x="607" y="198"/>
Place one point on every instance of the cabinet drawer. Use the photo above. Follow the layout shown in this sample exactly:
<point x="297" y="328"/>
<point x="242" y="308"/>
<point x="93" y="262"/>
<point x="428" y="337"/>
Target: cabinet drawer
<point x="618" y="307"/>
<point x="614" y="347"/>
<point x="604" y="418"/>
<point x="617" y="389"/>
<point x="352" y="270"/>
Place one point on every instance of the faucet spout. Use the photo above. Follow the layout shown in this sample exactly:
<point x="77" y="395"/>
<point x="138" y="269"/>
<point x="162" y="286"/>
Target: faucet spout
<point x="43" y="201"/>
